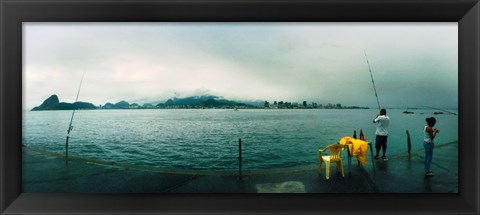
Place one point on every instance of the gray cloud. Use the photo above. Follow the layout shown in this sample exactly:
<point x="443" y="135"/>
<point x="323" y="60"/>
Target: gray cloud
<point x="413" y="64"/>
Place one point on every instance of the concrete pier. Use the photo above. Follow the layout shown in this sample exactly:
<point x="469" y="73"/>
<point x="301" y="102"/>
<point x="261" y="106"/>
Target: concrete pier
<point x="47" y="173"/>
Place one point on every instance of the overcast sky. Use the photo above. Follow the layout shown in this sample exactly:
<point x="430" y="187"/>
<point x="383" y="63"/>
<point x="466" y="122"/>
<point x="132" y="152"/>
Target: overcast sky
<point x="413" y="64"/>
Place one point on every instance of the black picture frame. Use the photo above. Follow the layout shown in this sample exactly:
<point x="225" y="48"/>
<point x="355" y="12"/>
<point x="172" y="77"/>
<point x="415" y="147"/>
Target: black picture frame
<point x="14" y="12"/>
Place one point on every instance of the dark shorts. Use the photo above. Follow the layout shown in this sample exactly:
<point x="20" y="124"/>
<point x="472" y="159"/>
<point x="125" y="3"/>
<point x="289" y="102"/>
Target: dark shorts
<point x="380" y="142"/>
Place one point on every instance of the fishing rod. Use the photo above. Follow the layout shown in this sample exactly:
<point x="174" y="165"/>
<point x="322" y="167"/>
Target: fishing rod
<point x="373" y="82"/>
<point x="70" y="127"/>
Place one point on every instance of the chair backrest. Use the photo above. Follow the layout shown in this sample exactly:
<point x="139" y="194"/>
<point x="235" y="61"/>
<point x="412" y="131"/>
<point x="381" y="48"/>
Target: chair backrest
<point x="335" y="150"/>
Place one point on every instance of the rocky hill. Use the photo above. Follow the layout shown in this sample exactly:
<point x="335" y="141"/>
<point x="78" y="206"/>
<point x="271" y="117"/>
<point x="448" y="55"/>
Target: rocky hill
<point x="53" y="103"/>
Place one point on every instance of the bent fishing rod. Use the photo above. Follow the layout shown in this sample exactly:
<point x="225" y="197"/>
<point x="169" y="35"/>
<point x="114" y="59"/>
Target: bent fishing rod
<point x="373" y="82"/>
<point x="70" y="127"/>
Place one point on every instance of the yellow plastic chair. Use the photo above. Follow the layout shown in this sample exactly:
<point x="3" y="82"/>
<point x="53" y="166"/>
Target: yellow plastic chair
<point x="334" y="156"/>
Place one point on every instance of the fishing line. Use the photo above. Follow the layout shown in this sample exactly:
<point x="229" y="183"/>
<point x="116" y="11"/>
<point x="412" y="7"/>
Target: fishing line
<point x="439" y="109"/>
<point x="70" y="127"/>
<point x="373" y="82"/>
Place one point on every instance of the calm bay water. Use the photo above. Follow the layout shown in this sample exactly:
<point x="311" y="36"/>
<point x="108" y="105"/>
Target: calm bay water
<point x="208" y="139"/>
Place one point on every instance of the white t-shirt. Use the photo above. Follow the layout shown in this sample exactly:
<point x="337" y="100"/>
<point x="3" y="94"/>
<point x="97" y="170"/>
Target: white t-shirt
<point x="426" y="136"/>
<point x="382" y="128"/>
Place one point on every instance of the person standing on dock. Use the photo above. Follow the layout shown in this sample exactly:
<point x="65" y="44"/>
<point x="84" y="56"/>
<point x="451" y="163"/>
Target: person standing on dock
<point x="382" y="133"/>
<point x="429" y="133"/>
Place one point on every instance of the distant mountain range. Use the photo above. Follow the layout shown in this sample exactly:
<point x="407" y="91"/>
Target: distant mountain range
<point x="53" y="103"/>
<point x="202" y="101"/>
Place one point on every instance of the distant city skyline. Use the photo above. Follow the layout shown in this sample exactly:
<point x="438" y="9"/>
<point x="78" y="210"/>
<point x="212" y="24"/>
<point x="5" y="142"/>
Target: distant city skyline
<point x="413" y="64"/>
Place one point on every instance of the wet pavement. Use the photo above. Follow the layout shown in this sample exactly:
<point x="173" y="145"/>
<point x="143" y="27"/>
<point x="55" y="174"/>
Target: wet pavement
<point x="46" y="172"/>
<point x="401" y="175"/>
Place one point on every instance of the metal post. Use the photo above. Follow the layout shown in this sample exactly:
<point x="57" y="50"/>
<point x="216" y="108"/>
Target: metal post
<point x="371" y="154"/>
<point x="349" y="159"/>
<point x="240" y="159"/>
<point x="66" y="148"/>
<point x="409" y="145"/>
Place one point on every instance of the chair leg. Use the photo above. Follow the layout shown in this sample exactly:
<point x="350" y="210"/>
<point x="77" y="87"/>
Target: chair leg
<point x="319" y="162"/>
<point x="327" y="168"/>
<point x="340" y="165"/>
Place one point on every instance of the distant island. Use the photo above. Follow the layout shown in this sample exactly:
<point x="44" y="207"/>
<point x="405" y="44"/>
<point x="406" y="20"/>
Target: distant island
<point x="193" y="102"/>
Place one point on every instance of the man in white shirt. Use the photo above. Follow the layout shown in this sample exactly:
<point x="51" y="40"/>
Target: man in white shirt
<point x="382" y="133"/>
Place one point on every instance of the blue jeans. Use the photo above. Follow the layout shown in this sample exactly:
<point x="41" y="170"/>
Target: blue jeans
<point x="428" y="155"/>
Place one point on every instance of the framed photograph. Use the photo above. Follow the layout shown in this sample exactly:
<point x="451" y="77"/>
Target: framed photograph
<point x="239" y="107"/>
